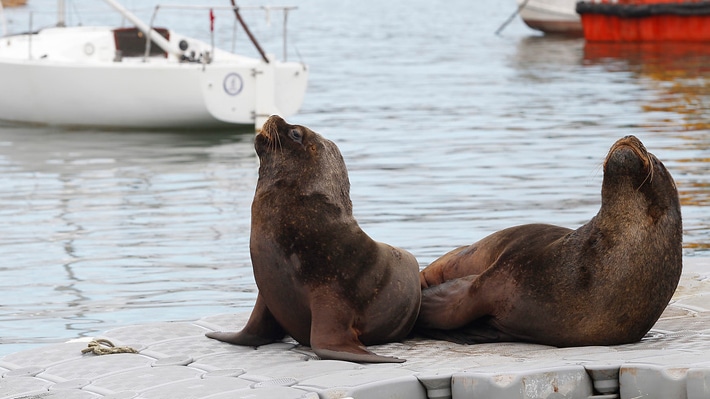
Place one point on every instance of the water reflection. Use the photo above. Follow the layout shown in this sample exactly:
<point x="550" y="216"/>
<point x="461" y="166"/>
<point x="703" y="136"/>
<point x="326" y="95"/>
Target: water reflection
<point x="678" y="77"/>
<point x="679" y="72"/>
<point x="101" y="225"/>
<point x="549" y="53"/>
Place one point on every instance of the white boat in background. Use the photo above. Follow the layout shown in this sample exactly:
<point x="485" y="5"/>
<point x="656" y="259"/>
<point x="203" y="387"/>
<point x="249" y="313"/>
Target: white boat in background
<point x="551" y="16"/>
<point x="114" y="77"/>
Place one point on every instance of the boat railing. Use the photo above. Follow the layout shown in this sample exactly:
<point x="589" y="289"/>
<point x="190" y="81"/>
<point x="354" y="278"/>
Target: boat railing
<point x="153" y="38"/>
<point x="267" y="10"/>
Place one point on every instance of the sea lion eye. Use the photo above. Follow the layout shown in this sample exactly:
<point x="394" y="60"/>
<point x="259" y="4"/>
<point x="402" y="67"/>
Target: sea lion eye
<point x="295" y="135"/>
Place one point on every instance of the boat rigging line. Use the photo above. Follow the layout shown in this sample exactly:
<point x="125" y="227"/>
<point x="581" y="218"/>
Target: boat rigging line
<point x="3" y="22"/>
<point x="246" y="29"/>
<point x="510" y="18"/>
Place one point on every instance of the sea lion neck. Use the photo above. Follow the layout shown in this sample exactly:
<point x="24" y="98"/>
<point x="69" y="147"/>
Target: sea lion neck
<point x="284" y="187"/>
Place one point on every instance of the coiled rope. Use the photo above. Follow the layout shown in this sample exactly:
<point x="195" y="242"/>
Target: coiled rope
<point x="105" y="347"/>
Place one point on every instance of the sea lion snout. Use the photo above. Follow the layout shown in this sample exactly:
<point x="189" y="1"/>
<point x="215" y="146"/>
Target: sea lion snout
<point x="628" y="153"/>
<point x="270" y="130"/>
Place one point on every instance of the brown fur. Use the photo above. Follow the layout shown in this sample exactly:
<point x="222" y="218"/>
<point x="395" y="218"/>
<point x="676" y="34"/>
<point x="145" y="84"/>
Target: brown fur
<point x="321" y="279"/>
<point x="604" y="283"/>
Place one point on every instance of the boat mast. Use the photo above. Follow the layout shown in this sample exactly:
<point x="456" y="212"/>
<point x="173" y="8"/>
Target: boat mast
<point x="2" y="20"/>
<point x="154" y="36"/>
<point x="61" y="11"/>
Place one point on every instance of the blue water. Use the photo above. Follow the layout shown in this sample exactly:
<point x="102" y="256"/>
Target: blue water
<point x="449" y="131"/>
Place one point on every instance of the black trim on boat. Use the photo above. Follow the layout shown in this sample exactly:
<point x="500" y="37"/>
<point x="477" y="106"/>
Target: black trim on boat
<point x="643" y="10"/>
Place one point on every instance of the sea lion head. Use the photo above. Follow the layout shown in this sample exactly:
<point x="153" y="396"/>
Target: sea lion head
<point x="635" y="179"/>
<point x="295" y="157"/>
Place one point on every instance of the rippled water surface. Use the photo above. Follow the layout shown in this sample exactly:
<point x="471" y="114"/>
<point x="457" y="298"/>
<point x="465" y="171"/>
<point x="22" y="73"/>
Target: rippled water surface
<point x="449" y="133"/>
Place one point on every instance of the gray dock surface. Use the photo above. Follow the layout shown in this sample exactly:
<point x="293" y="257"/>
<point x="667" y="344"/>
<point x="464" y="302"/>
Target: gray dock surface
<point x="175" y="360"/>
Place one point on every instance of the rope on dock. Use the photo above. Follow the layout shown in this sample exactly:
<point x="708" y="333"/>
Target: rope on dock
<point x="105" y="347"/>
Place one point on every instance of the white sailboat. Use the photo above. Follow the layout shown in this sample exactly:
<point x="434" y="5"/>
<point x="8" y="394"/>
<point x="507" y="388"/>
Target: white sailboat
<point x="115" y="77"/>
<point x="551" y="16"/>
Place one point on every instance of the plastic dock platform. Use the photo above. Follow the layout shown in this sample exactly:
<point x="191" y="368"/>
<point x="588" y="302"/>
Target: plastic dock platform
<point x="175" y="360"/>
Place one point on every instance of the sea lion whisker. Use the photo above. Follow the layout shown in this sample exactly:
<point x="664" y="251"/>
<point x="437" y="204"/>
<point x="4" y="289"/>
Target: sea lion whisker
<point x="274" y="141"/>
<point x="600" y="167"/>
<point x="278" y="141"/>
<point x="649" y="175"/>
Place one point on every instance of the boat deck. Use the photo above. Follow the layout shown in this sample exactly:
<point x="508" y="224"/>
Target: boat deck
<point x="175" y="360"/>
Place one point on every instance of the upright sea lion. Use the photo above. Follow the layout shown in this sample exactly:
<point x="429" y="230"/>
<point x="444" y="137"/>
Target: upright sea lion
<point x="321" y="279"/>
<point x="605" y="283"/>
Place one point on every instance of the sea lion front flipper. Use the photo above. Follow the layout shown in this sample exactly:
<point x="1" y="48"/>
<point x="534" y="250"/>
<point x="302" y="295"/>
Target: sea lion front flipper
<point x="334" y="337"/>
<point x="365" y="357"/>
<point x="261" y="329"/>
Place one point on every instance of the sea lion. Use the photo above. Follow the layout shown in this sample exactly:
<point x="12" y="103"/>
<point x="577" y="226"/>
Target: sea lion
<point x="321" y="279"/>
<point x="605" y="283"/>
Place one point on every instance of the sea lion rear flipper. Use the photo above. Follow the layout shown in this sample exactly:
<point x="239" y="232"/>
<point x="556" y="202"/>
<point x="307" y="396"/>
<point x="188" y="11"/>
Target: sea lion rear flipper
<point x="478" y="332"/>
<point x="452" y="304"/>
<point x="261" y="329"/>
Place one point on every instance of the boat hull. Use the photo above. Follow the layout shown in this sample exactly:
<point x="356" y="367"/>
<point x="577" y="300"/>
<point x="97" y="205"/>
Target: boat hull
<point x="551" y="16"/>
<point x="135" y="96"/>
<point x="652" y="21"/>
<point x="76" y="77"/>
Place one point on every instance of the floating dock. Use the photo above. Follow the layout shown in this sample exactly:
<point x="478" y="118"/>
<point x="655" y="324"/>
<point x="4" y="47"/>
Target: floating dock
<point x="176" y="360"/>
